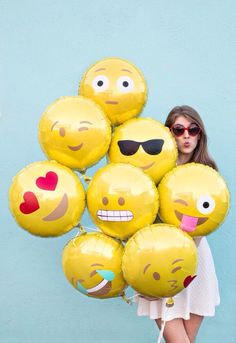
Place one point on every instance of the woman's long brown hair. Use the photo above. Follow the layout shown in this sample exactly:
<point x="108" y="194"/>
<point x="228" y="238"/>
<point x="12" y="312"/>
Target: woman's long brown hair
<point x="200" y="154"/>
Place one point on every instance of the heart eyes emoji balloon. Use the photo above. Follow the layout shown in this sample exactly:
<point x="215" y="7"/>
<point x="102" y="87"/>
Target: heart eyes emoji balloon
<point x="46" y="199"/>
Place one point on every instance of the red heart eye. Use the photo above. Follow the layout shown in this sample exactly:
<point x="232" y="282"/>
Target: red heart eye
<point x="49" y="182"/>
<point x="30" y="203"/>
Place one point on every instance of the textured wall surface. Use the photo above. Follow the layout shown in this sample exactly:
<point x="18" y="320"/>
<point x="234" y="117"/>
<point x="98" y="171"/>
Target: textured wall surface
<point x="186" y="51"/>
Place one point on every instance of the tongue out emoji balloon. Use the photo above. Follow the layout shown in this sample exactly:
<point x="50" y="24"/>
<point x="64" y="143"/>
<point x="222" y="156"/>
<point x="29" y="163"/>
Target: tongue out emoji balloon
<point x="193" y="197"/>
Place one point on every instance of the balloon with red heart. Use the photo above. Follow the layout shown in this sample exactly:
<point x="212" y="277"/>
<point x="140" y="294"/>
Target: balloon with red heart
<point x="47" y="199"/>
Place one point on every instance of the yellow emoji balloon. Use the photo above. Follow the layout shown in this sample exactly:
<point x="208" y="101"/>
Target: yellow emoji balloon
<point x="46" y="199"/>
<point x="117" y="86"/>
<point x="144" y="143"/>
<point x="122" y="199"/>
<point x="75" y="132"/>
<point x="92" y="264"/>
<point x="159" y="261"/>
<point x="193" y="197"/>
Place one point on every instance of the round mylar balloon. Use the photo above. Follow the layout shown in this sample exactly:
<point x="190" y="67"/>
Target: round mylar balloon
<point x="75" y="132"/>
<point x="117" y="86"/>
<point x="92" y="264"/>
<point x="46" y="199"/>
<point x="193" y="197"/>
<point x="144" y="143"/>
<point x="159" y="261"/>
<point x="122" y="199"/>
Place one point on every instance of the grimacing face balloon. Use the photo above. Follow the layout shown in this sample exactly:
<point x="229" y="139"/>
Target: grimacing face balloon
<point x="92" y="264"/>
<point x="117" y="86"/>
<point x="46" y="199"/>
<point x="75" y="132"/>
<point x="121" y="199"/>
<point x="144" y="143"/>
<point x="193" y="197"/>
<point x="159" y="261"/>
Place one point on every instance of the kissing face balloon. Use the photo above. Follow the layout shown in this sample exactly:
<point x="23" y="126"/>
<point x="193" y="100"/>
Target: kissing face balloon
<point x="193" y="197"/>
<point x="117" y="86"/>
<point x="159" y="261"/>
<point x="92" y="264"/>
<point x="122" y="199"/>
<point x="144" y="143"/>
<point x="46" y="199"/>
<point x="75" y="132"/>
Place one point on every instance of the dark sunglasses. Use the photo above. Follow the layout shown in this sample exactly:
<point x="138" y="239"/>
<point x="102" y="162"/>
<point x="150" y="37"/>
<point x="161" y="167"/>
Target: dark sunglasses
<point x="178" y="130"/>
<point x="151" y="147"/>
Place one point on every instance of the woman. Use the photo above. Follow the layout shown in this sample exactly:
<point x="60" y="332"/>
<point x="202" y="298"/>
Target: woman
<point x="200" y="298"/>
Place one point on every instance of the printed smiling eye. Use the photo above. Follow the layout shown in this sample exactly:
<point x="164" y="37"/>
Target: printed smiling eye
<point x="100" y="83"/>
<point x="62" y="132"/>
<point x="125" y="84"/>
<point x="205" y="204"/>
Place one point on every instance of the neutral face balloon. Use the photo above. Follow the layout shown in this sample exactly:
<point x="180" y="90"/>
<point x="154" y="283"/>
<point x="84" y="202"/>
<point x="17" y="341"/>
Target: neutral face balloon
<point x="117" y="86"/>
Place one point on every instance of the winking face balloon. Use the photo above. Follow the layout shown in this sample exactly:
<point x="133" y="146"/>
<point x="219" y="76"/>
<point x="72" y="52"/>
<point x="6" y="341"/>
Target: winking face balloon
<point x="193" y="197"/>
<point x="75" y="132"/>
<point x="122" y="199"/>
<point x="117" y="86"/>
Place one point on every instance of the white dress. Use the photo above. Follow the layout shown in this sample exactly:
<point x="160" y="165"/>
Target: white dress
<point x="200" y="297"/>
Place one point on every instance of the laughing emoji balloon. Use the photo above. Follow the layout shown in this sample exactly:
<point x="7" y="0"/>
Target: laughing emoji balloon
<point x="47" y="199"/>
<point x="195" y="198"/>
<point x="75" y="132"/>
<point x="159" y="261"/>
<point x="122" y="199"/>
<point x="144" y="143"/>
<point x="117" y="86"/>
<point x="92" y="264"/>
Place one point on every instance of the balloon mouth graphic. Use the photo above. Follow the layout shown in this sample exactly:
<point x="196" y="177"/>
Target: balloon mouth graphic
<point x="76" y="147"/>
<point x="101" y="289"/>
<point x="173" y="285"/>
<point x="115" y="216"/>
<point x="147" y="166"/>
<point x="59" y="211"/>
<point x="189" y="223"/>
<point x="111" y="102"/>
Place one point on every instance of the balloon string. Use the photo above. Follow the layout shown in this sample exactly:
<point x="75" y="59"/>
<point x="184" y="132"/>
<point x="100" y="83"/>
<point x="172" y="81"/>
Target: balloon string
<point x="92" y="229"/>
<point x="81" y="229"/>
<point x="84" y="229"/>
<point x="133" y="297"/>
<point x="162" y="331"/>
<point x="127" y="300"/>
<point x="169" y="304"/>
<point x="85" y="177"/>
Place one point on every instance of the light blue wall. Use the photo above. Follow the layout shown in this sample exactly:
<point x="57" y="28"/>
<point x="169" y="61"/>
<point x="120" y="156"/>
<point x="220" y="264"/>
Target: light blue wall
<point x="187" y="52"/>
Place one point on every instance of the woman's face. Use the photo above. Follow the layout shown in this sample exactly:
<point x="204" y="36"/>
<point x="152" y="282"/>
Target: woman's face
<point x="186" y="142"/>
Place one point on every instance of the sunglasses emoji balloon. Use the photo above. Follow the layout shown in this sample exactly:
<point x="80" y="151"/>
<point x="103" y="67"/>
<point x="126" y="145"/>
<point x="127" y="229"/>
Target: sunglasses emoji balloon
<point x="144" y="143"/>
